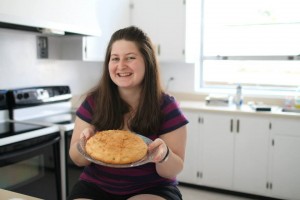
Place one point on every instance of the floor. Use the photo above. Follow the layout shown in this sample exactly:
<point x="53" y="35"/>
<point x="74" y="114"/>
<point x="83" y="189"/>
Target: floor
<point x="195" y="193"/>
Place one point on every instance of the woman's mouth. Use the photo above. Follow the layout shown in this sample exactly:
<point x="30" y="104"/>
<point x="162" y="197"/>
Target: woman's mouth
<point x="124" y="74"/>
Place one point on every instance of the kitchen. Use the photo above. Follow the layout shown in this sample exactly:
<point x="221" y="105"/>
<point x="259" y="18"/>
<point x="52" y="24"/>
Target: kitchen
<point x="20" y="65"/>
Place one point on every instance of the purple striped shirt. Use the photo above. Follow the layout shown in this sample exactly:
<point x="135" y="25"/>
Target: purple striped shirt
<point x="122" y="181"/>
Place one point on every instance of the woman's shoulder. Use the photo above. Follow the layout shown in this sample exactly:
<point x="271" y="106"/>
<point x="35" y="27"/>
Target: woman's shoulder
<point x="168" y="99"/>
<point x="173" y="116"/>
<point x="85" y="110"/>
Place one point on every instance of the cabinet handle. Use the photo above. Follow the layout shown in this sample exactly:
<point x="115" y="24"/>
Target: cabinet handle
<point x="269" y="185"/>
<point x="201" y="120"/>
<point x="231" y="125"/>
<point x="199" y="175"/>
<point x="238" y="126"/>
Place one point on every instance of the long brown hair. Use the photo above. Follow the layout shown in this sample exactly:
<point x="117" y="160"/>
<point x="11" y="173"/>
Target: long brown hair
<point x="110" y="108"/>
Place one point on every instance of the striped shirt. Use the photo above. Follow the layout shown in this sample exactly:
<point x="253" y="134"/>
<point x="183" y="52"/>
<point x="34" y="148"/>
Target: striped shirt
<point x="122" y="181"/>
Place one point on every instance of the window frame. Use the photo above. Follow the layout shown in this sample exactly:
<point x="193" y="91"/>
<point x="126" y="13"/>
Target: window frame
<point x="262" y="92"/>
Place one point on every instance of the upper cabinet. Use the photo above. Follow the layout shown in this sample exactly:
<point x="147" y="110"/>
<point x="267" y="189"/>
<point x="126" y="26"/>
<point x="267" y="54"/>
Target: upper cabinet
<point x="164" y="22"/>
<point x="111" y="16"/>
<point x="55" y="16"/>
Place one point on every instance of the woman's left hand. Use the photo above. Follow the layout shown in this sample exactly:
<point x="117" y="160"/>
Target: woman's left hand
<point x="159" y="150"/>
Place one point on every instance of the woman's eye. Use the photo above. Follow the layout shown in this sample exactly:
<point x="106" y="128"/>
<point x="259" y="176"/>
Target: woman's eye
<point x="131" y="58"/>
<point x="115" y="59"/>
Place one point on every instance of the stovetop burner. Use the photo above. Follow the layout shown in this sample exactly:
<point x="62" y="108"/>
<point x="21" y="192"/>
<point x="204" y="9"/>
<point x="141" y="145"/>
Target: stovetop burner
<point x="8" y="129"/>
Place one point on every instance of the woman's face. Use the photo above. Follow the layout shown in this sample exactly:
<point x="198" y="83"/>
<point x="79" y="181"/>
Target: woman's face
<point x="126" y="65"/>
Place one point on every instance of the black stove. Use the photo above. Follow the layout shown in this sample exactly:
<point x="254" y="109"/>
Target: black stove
<point x="29" y="152"/>
<point x="46" y="106"/>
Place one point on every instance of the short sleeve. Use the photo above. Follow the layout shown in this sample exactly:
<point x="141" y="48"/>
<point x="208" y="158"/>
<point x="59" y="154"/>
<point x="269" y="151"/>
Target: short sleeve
<point x="85" y="111"/>
<point x="173" y="115"/>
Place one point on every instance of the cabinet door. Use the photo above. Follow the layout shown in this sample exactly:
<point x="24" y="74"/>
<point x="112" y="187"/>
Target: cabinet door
<point x="112" y="15"/>
<point x="171" y="28"/>
<point x="164" y="22"/>
<point x="55" y="15"/>
<point x="218" y="150"/>
<point x="251" y="154"/>
<point x="285" y="176"/>
<point x="192" y="172"/>
<point x="90" y="48"/>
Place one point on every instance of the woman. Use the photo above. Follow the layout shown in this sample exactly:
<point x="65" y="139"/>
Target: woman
<point x="129" y="96"/>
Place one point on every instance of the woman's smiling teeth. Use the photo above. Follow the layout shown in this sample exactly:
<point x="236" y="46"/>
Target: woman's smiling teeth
<point x="124" y="74"/>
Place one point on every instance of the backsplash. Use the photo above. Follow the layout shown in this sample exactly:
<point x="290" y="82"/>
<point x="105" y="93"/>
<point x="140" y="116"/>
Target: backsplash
<point x="20" y="67"/>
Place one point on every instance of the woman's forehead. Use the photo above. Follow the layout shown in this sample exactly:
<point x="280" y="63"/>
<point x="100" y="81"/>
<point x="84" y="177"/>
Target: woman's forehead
<point x="124" y="46"/>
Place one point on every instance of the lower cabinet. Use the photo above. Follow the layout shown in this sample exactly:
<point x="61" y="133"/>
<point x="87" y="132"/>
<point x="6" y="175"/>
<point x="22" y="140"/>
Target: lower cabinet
<point x="251" y="147"/>
<point x="218" y="147"/>
<point x="284" y="177"/>
<point x="247" y="153"/>
<point x="192" y="172"/>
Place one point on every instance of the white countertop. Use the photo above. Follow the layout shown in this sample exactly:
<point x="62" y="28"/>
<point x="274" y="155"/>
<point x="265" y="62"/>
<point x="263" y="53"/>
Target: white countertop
<point x="9" y="195"/>
<point x="245" y="109"/>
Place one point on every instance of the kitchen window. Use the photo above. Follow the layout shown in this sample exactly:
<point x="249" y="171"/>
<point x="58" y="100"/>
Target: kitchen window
<point x="255" y="43"/>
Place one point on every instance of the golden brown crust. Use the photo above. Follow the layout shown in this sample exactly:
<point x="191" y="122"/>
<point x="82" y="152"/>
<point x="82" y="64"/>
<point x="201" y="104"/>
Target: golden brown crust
<point x="116" y="147"/>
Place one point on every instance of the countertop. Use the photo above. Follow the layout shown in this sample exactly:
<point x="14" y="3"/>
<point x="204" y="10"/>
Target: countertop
<point x="245" y="109"/>
<point x="9" y="195"/>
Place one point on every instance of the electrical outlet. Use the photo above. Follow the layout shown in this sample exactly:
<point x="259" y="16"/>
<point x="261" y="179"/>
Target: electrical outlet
<point x="42" y="47"/>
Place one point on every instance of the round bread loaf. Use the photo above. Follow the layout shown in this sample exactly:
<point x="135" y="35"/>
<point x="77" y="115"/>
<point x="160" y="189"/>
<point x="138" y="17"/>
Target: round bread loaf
<point x="116" y="147"/>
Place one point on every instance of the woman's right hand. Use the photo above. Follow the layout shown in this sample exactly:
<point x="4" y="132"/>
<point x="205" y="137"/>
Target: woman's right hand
<point x="81" y="129"/>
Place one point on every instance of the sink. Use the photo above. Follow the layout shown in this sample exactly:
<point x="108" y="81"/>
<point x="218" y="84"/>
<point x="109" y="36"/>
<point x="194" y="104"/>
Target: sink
<point x="295" y="110"/>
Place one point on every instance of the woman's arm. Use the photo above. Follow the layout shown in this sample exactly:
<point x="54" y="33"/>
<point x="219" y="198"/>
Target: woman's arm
<point x="81" y="129"/>
<point x="176" y="142"/>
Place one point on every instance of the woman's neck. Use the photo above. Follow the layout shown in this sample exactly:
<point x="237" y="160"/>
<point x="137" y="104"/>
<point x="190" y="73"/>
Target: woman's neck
<point x="131" y="96"/>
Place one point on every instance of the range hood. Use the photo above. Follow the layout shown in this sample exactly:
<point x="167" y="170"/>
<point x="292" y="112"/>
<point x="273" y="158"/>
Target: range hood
<point x="62" y="17"/>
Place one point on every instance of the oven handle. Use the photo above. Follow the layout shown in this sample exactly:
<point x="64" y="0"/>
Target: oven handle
<point x="29" y="150"/>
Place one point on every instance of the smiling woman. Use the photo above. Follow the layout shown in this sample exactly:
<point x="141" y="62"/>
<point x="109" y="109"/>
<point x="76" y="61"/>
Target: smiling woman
<point x="130" y="97"/>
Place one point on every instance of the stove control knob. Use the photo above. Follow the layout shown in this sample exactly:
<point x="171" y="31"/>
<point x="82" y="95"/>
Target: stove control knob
<point x="26" y="95"/>
<point x="19" y="96"/>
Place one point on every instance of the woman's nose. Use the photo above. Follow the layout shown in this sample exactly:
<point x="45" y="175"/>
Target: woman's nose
<point x="122" y="63"/>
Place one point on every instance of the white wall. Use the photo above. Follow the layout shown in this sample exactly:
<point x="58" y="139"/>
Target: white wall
<point x="183" y="74"/>
<point x="20" y="67"/>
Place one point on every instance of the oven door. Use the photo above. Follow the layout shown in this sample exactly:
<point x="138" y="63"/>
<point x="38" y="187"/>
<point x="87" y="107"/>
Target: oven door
<point x="31" y="167"/>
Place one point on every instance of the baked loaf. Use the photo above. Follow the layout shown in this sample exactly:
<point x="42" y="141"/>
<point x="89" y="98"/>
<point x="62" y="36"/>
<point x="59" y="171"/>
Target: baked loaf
<point x="116" y="147"/>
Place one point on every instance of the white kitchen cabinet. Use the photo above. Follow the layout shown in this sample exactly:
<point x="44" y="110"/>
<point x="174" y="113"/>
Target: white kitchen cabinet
<point x="164" y="22"/>
<point x="236" y="152"/>
<point x="218" y="155"/>
<point x="251" y="154"/>
<point x="284" y="178"/>
<point x="192" y="171"/>
<point x="244" y="151"/>
<point x="52" y="15"/>
<point x="231" y="149"/>
<point x="112" y="15"/>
